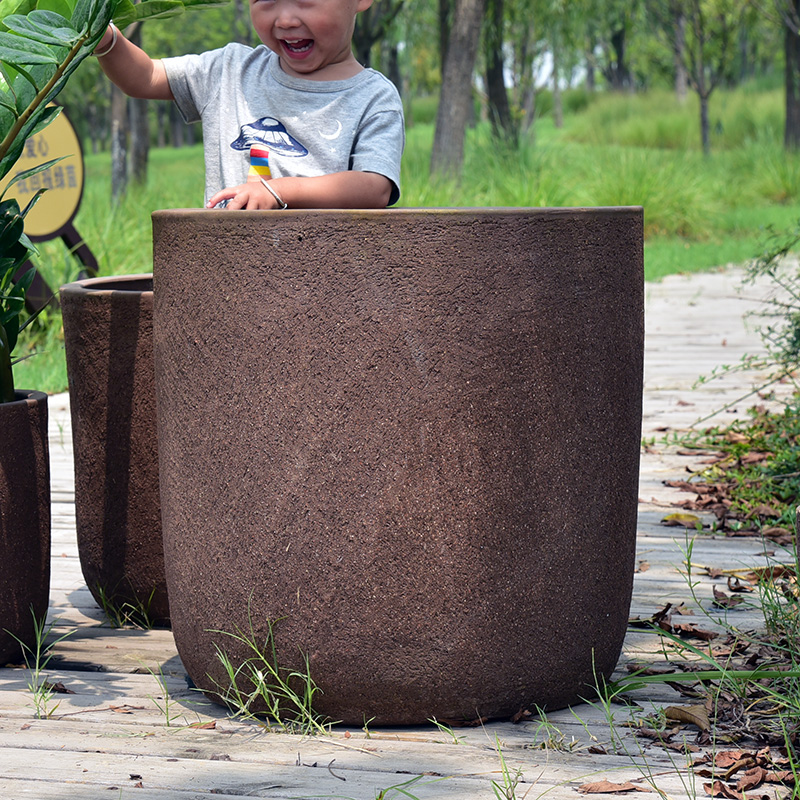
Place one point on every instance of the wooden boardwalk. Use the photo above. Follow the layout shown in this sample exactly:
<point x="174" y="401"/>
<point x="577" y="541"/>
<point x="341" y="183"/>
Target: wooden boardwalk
<point x="130" y="725"/>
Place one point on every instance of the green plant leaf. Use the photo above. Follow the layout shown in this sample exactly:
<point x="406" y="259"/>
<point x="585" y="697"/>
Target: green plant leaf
<point x="9" y="7"/>
<point x="128" y="13"/>
<point x="204" y="3"/>
<point x="6" y="374"/>
<point x="61" y="7"/>
<point x="19" y="50"/>
<point x="44" y="27"/>
<point x="82" y="15"/>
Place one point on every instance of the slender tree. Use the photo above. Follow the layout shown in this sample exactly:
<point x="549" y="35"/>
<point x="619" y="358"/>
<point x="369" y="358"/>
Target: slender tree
<point x="373" y="26"/>
<point x="711" y="27"/>
<point x="787" y="14"/>
<point x="505" y="125"/>
<point x="455" y="100"/>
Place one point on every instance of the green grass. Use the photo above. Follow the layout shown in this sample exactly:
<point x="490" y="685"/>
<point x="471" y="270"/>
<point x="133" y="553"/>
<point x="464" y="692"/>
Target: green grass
<point x="700" y="213"/>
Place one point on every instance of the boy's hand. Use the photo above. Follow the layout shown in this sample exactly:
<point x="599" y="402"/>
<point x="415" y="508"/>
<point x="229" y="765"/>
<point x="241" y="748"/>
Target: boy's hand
<point x="250" y="196"/>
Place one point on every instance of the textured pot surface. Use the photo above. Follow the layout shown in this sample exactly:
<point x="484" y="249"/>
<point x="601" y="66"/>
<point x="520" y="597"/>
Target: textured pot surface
<point x="108" y="333"/>
<point x="412" y="437"/>
<point x="24" y="522"/>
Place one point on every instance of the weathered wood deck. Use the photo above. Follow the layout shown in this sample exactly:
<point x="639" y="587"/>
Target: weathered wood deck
<point x="125" y="728"/>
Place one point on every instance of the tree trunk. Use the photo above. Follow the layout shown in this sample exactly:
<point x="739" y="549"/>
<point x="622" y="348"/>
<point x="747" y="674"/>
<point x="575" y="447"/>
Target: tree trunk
<point x="119" y="144"/>
<point x="705" y="129"/>
<point x="503" y="124"/>
<point x="445" y="23"/>
<point x="177" y="127"/>
<point x="791" y="133"/>
<point x="140" y="139"/>
<point x="558" y="106"/>
<point x="455" y="101"/>
<point x="161" y="124"/>
<point x="393" y="68"/>
<point x="618" y="76"/>
<point x="681" y="76"/>
<point x="242" y="30"/>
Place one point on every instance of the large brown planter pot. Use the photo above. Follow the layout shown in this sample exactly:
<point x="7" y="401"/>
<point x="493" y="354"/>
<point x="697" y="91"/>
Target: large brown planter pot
<point x="413" y="438"/>
<point x="108" y="333"/>
<point x="24" y="522"/>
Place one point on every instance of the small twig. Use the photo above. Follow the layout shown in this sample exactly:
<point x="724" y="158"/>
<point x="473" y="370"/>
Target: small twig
<point x="333" y="773"/>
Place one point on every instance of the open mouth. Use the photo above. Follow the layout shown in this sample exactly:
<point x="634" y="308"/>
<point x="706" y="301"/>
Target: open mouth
<point x="297" y="47"/>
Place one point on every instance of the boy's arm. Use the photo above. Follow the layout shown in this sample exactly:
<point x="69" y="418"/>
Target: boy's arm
<point x="338" y="190"/>
<point x="131" y="69"/>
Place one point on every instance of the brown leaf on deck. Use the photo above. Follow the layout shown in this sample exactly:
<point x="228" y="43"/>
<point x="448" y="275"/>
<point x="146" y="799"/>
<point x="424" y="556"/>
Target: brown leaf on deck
<point x="722" y="600"/>
<point x="754" y="457"/>
<point x="764" y="510"/>
<point x="770" y="573"/>
<point x="736" y="438"/>
<point x="58" y="688"/>
<point x="751" y="779"/>
<point x="681" y="520"/>
<point x="693" y="715"/>
<point x="607" y="787"/>
<point x="735" y="585"/>
<point x="778" y="534"/>
<point x="720" y="789"/>
<point x="690" y="631"/>
<point x="206" y="726"/>
<point x="521" y="716"/>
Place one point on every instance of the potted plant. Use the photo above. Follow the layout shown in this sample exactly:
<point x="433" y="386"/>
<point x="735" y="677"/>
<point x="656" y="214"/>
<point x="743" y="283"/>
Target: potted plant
<point x="24" y="460"/>
<point x="39" y="50"/>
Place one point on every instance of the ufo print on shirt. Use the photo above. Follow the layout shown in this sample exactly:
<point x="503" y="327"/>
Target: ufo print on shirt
<point x="271" y="134"/>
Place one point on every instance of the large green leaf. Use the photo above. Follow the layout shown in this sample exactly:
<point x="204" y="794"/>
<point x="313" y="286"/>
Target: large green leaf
<point x="43" y="26"/>
<point x="204" y="3"/>
<point x="8" y="7"/>
<point x="128" y="13"/>
<point x="21" y="50"/>
<point x="62" y="7"/>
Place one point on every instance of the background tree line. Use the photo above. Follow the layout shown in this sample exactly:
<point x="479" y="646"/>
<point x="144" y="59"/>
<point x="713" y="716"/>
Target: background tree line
<point x="453" y="60"/>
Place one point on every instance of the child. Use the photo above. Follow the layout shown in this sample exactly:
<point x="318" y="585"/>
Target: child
<point x="296" y="124"/>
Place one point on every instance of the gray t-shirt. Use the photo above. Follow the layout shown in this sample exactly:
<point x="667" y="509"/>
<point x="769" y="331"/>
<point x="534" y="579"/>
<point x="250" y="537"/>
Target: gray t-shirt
<point x="244" y="98"/>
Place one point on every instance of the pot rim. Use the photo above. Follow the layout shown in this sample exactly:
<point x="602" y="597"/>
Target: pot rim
<point x="29" y="396"/>
<point x="106" y="284"/>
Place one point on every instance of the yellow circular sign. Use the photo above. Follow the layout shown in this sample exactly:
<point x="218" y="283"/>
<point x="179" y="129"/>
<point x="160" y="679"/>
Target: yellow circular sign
<point x="63" y="181"/>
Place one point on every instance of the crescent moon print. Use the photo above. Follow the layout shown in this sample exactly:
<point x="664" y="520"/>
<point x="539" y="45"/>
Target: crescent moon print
<point x="268" y="131"/>
<point x="335" y="134"/>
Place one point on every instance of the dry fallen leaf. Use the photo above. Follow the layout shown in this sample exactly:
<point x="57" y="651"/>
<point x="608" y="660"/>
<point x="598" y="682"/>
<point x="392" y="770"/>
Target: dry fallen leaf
<point x="206" y="726"/>
<point x="693" y="715"/>
<point x="720" y="789"/>
<point x="681" y="520"/>
<point x="722" y="600"/>
<point x="606" y="787"/>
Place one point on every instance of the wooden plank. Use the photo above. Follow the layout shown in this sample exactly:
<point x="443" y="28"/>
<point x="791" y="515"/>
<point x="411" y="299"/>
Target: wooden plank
<point x="114" y="726"/>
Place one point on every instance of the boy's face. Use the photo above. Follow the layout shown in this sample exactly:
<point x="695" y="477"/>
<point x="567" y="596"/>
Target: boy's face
<point x="312" y="37"/>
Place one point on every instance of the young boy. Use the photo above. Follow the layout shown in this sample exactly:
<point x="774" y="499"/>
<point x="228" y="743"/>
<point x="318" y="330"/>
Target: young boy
<point x="296" y="124"/>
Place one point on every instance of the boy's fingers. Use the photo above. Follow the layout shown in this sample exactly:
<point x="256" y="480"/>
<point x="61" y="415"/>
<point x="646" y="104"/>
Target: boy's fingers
<point x="245" y="196"/>
<point x="225" y="194"/>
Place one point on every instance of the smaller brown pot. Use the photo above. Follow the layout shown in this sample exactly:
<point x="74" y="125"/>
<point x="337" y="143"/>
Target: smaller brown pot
<point x="108" y="336"/>
<point x="24" y="522"/>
